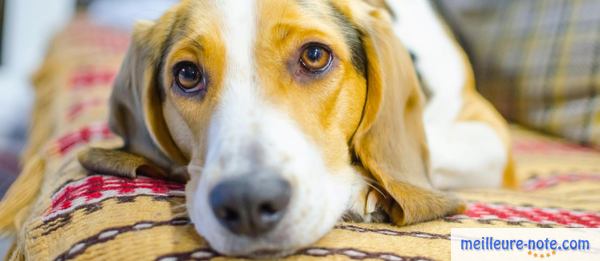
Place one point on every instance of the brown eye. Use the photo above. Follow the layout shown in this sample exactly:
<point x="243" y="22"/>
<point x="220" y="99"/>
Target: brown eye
<point x="189" y="78"/>
<point x="316" y="58"/>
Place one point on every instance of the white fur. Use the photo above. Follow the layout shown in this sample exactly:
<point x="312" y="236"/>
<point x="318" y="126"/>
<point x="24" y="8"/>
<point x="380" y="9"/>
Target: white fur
<point x="246" y="133"/>
<point x="466" y="155"/>
<point x="438" y="61"/>
<point x="463" y="154"/>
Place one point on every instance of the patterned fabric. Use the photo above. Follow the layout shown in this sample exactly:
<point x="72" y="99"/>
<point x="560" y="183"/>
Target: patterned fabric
<point x="80" y="216"/>
<point x="90" y="191"/>
<point x="537" y="61"/>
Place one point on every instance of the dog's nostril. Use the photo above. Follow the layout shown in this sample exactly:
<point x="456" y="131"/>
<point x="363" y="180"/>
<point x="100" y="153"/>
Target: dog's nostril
<point x="250" y="205"/>
<point x="267" y="209"/>
<point x="267" y="214"/>
<point x="228" y="215"/>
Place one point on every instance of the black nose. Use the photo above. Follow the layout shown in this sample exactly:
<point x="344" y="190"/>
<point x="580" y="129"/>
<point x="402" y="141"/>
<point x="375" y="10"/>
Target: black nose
<point x="250" y="205"/>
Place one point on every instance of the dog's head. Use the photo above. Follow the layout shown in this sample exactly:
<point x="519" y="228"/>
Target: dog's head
<point x="279" y="109"/>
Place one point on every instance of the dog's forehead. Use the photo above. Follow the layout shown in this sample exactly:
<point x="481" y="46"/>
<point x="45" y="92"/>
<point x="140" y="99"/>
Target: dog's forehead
<point x="249" y="18"/>
<point x="243" y="23"/>
<point x="238" y="23"/>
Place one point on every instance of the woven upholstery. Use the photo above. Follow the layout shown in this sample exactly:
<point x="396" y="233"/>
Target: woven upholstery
<point x="81" y="216"/>
<point x="537" y="61"/>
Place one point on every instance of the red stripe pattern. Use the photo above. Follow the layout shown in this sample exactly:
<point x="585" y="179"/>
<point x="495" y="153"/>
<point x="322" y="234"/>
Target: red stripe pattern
<point x="90" y="78"/>
<point x="86" y="34"/>
<point x="528" y="146"/>
<point x="94" y="189"/>
<point x="543" y="183"/>
<point x="76" y="109"/>
<point x="547" y="216"/>
<point x="94" y="132"/>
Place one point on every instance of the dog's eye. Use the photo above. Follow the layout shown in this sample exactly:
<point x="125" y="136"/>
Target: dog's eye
<point x="189" y="77"/>
<point x="316" y="58"/>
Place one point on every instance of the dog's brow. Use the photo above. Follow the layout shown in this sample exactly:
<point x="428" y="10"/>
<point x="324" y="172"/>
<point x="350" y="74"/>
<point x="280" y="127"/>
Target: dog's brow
<point x="175" y="32"/>
<point x="352" y="37"/>
<point x="194" y="40"/>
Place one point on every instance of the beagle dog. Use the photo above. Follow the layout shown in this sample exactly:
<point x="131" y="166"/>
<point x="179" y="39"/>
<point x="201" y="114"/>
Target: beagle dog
<point x="286" y="116"/>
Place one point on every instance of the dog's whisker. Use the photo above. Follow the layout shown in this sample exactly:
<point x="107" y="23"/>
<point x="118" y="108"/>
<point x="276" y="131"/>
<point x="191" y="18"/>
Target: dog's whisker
<point x="378" y="190"/>
<point x="180" y="170"/>
<point x="368" y="179"/>
<point x="195" y="168"/>
<point x="371" y="183"/>
<point x="177" y="207"/>
<point x="180" y="215"/>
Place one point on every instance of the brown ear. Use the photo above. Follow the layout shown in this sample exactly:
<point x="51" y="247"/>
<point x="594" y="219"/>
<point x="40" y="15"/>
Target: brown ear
<point x="118" y="163"/>
<point x="136" y="107"/>
<point x="390" y="140"/>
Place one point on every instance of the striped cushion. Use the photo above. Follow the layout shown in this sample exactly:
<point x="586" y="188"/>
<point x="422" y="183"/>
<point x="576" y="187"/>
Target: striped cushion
<point x="537" y="61"/>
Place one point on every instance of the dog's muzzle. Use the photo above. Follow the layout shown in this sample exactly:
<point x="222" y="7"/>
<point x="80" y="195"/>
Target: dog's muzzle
<point x="250" y="205"/>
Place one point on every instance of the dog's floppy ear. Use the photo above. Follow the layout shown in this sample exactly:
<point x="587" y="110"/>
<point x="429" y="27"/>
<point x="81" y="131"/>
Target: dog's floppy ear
<point x="136" y="109"/>
<point x="390" y="140"/>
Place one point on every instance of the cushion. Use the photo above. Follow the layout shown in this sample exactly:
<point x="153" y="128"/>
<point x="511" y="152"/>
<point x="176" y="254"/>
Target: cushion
<point x="62" y="212"/>
<point x="537" y="61"/>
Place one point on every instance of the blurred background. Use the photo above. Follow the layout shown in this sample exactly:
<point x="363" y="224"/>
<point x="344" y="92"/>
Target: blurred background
<point x="26" y="30"/>
<point x="25" y="26"/>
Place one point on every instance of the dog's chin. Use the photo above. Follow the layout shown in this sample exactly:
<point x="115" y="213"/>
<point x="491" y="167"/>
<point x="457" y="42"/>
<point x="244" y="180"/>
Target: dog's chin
<point x="260" y="253"/>
<point x="277" y="244"/>
<point x="262" y="249"/>
<point x="268" y="253"/>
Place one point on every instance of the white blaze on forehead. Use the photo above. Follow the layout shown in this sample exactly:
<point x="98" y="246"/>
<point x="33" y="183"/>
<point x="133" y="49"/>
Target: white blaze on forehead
<point x="239" y="104"/>
<point x="239" y="35"/>
<point x="239" y="99"/>
<point x="240" y="89"/>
